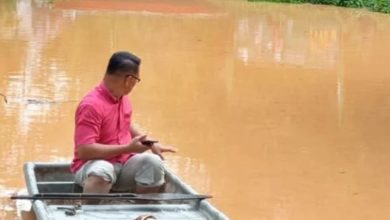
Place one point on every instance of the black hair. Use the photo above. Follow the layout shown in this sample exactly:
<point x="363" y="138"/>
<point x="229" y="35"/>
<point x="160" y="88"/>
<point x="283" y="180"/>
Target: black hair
<point x="123" y="62"/>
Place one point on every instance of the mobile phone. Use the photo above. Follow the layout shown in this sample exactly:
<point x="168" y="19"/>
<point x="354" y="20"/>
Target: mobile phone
<point x="148" y="143"/>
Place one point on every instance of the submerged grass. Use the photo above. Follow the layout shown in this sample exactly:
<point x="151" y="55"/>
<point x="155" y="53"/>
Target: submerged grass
<point x="5" y="97"/>
<point x="373" y="5"/>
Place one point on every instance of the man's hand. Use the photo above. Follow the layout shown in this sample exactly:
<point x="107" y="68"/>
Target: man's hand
<point x="159" y="150"/>
<point x="136" y="146"/>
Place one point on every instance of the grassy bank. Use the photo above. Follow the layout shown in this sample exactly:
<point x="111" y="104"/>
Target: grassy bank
<point x="373" y="5"/>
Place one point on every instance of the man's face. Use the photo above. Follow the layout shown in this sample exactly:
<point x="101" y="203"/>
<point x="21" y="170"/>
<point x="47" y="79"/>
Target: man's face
<point x="129" y="82"/>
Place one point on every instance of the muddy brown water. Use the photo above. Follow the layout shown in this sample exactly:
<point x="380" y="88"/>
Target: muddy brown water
<point x="279" y="111"/>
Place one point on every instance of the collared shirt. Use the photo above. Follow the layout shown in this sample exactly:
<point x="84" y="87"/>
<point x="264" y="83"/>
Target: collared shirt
<point x="104" y="119"/>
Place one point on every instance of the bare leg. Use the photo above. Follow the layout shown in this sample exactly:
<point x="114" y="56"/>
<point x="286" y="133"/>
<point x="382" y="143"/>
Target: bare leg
<point x="96" y="184"/>
<point x="157" y="189"/>
<point x="144" y="190"/>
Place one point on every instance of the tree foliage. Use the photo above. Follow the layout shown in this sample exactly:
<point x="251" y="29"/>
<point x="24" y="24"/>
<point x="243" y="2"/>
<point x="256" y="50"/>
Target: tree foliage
<point x="374" y="5"/>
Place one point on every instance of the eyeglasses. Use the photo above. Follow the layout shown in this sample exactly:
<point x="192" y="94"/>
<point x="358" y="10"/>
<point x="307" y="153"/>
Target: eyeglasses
<point x="134" y="77"/>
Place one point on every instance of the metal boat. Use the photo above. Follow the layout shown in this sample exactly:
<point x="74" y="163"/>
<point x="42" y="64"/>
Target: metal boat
<point x="51" y="178"/>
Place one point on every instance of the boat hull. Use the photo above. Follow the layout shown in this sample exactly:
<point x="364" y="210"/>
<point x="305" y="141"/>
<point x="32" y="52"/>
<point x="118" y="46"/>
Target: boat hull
<point x="56" y="177"/>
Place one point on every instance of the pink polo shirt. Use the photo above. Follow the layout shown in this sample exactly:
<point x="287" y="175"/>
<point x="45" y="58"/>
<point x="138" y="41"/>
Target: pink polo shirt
<point x="102" y="118"/>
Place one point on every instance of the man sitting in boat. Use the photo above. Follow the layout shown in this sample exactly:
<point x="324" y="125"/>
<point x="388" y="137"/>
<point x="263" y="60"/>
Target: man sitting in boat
<point x="109" y="149"/>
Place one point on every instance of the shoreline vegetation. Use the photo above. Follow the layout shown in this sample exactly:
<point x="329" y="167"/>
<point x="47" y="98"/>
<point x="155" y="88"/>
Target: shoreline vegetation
<point x="372" y="5"/>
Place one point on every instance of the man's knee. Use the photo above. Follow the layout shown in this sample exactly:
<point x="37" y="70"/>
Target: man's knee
<point x="151" y="172"/>
<point x="98" y="171"/>
<point x="151" y="159"/>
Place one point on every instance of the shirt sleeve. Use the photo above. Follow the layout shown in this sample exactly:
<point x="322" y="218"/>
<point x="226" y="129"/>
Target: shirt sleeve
<point x="88" y="124"/>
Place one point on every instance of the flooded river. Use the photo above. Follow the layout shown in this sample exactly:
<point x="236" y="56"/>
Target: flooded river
<point x="281" y="112"/>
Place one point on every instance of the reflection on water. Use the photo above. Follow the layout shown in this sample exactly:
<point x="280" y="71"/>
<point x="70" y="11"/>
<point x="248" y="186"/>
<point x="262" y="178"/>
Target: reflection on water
<point x="278" y="111"/>
<point x="37" y="81"/>
<point x="171" y="7"/>
<point x="265" y="38"/>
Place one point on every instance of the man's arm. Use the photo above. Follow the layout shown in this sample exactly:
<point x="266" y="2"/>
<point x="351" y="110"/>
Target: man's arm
<point x="156" y="148"/>
<point x="135" y="130"/>
<point x="100" y="151"/>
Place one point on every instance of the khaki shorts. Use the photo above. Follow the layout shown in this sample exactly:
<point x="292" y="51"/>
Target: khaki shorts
<point x="144" y="169"/>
